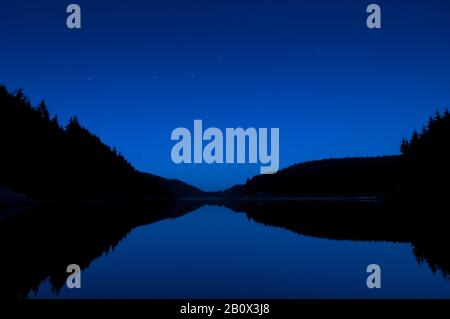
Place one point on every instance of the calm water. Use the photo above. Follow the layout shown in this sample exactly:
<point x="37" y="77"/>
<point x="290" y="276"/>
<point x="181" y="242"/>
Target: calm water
<point x="214" y="252"/>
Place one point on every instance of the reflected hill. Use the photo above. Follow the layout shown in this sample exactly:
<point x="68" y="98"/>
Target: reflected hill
<point x="356" y="220"/>
<point x="41" y="242"/>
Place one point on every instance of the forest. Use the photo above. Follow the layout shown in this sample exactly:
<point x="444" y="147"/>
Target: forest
<point x="426" y="159"/>
<point x="44" y="160"/>
<point x="362" y="176"/>
<point x="418" y="176"/>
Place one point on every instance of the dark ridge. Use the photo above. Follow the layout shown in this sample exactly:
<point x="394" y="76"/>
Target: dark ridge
<point x="43" y="160"/>
<point x="365" y="176"/>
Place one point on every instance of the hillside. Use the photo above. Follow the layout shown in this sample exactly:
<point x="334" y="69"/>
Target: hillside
<point x="43" y="160"/>
<point x="175" y="187"/>
<point x="366" y="176"/>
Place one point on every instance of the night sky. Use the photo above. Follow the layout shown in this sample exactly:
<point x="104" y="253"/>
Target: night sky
<point x="139" y="69"/>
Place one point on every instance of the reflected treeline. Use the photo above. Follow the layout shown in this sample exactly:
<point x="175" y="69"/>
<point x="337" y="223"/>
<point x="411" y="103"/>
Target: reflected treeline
<point x="431" y="242"/>
<point x="356" y="220"/>
<point x="42" y="242"/>
<point x="329" y="219"/>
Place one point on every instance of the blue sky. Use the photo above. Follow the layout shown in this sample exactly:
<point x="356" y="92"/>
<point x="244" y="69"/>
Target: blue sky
<point x="139" y="69"/>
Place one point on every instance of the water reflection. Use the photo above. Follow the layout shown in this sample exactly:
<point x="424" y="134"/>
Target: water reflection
<point x="40" y="243"/>
<point x="358" y="221"/>
<point x="215" y="253"/>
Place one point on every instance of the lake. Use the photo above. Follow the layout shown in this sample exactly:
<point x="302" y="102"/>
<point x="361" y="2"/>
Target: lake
<point x="215" y="252"/>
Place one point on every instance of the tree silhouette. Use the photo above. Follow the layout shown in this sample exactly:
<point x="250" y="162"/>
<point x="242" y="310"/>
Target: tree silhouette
<point x="43" y="160"/>
<point x="42" y="110"/>
<point x="426" y="162"/>
<point x="55" y="121"/>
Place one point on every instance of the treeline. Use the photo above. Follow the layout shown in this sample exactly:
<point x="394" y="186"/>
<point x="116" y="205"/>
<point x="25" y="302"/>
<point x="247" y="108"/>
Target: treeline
<point x="420" y="175"/>
<point x="426" y="158"/>
<point x="329" y="177"/>
<point x="42" y="159"/>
